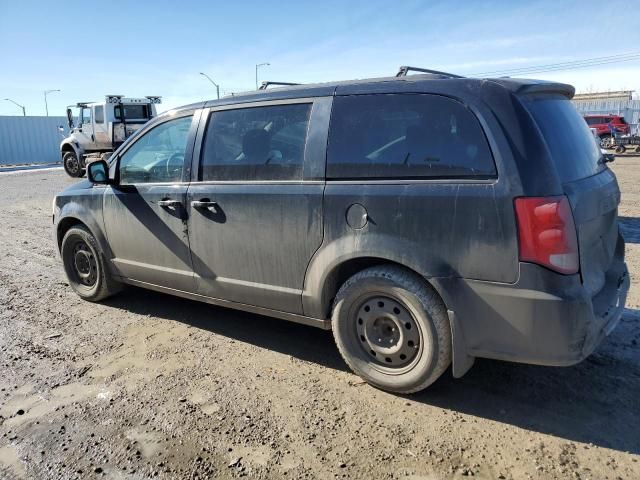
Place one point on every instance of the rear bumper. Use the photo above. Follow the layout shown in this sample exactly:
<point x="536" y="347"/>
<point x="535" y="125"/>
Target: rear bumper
<point x="545" y="318"/>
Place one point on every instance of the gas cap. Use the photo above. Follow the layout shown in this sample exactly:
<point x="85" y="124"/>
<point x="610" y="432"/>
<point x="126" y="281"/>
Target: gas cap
<point x="356" y="216"/>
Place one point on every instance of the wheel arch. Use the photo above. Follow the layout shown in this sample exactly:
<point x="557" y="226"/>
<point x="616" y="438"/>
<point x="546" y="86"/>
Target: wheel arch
<point x="64" y="225"/>
<point x="85" y="211"/>
<point x="68" y="147"/>
<point x="327" y="272"/>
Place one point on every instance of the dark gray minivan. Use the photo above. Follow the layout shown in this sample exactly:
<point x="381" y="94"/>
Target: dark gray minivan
<point x="426" y="219"/>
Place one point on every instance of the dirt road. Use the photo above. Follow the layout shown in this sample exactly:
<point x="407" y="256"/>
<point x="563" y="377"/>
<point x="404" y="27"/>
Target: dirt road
<point x="146" y="385"/>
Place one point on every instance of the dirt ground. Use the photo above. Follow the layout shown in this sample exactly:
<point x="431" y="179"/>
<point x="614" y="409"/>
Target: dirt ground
<point x="147" y="385"/>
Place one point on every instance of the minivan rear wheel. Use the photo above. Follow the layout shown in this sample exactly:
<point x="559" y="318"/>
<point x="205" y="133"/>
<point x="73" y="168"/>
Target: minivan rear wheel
<point x="392" y="329"/>
<point x="85" y="266"/>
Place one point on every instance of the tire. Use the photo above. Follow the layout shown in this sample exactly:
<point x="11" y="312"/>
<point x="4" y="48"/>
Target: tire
<point x="85" y="266"/>
<point x="392" y="329"/>
<point x="606" y="141"/>
<point x="620" y="149"/>
<point x="72" y="165"/>
<point x="637" y="149"/>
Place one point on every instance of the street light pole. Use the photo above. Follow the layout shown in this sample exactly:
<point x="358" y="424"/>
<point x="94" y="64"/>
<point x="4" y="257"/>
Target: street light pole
<point x="265" y="64"/>
<point x="214" y="84"/>
<point x="46" y="92"/>
<point x="24" y="113"/>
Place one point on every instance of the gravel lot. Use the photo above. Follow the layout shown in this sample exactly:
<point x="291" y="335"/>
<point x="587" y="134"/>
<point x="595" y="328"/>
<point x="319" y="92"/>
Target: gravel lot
<point x="147" y="385"/>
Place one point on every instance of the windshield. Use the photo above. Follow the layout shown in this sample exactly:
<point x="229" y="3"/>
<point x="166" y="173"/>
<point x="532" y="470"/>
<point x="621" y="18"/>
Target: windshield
<point x="132" y="112"/>
<point x="573" y="147"/>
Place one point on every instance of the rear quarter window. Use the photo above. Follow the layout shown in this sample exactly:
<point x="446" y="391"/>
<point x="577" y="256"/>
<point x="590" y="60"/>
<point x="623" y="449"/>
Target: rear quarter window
<point x="573" y="148"/>
<point x="405" y="136"/>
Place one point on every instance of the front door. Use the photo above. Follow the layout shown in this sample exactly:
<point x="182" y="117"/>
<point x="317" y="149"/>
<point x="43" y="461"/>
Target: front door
<point x="84" y="133"/>
<point x="100" y="128"/>
<point x="145" y="213"/>
<point x="255" y="216"/>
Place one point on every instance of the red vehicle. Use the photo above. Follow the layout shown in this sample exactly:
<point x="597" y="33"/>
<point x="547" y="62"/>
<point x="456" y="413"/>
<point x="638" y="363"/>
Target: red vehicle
<point x="601" y="124"/>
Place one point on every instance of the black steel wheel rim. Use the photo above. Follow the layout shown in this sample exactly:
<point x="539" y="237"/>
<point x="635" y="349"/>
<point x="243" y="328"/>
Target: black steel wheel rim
<point x="84" y="264"/>
<point x="387" y="332"/>
<point x="72" y="164"/>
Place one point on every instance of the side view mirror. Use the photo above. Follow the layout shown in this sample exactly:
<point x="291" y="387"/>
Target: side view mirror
<point x="70" y="118"/>
<point x="98" y="172"/>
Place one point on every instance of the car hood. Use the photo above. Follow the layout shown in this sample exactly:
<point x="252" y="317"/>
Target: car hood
<point x="82" y="185"/>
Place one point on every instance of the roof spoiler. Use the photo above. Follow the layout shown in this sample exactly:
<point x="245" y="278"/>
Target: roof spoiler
<point x="405" y="69"/>
<point x="533" y="87"/>
<point x="266" y="84"/>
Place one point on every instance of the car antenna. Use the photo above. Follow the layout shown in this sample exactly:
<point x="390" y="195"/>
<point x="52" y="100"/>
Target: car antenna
<point x="266" y="84"/>
<point x="405" y="69"/>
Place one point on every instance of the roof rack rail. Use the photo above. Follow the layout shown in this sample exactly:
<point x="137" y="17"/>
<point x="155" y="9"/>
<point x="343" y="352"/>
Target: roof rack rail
<point x="404" y="70"/>
<point x="266" y="84"/>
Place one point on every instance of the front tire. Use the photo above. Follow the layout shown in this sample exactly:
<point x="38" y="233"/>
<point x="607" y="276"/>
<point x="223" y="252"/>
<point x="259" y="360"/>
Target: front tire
<point x="72" y="165"/>
<point x="392" y="329"/>
<point x="85" y="266"/>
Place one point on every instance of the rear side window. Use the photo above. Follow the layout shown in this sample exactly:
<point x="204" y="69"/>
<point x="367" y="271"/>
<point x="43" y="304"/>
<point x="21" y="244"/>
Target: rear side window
<point x="405" y="136"/>
<point x="258" y="143"/>
<point x="99" y="114"/>
<point x="573" y="147"/>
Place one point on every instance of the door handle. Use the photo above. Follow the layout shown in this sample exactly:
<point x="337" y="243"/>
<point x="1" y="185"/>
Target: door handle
<point x="204" y="204"/>
<point x="169" y="203"/>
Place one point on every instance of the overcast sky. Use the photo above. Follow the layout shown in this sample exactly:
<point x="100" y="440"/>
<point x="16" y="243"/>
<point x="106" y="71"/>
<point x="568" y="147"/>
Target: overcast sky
<point x="88" y="49"/>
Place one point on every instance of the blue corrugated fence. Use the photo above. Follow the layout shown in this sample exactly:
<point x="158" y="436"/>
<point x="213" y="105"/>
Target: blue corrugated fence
<point x="25" y="140"/>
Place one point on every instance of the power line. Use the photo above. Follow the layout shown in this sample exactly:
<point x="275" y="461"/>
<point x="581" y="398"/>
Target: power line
<point x="553" y="67"/>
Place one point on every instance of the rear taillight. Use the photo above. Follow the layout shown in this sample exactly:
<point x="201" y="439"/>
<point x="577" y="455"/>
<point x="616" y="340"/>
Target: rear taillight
<point x="547" y="234"/>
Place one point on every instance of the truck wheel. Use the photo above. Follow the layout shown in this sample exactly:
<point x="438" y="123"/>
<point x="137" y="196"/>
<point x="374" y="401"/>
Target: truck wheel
<point x="72" y="165"/>
<point x="620" y="149"/>
<point x="606" y="141"/>
<point x="85" y="266"/>
<point x="392" y="329"/>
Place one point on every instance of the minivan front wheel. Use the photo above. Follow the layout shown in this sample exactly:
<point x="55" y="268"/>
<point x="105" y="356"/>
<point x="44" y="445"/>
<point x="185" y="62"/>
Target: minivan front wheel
<point x="392" y="329"/>
<point x="85" y="265"/>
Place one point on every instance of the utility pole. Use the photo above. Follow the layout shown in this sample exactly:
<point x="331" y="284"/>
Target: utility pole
<point x="24" y="113"/>
<point x="47" y="92"/>
<point x="260" y="65"/>
<point x="214" y="84"/>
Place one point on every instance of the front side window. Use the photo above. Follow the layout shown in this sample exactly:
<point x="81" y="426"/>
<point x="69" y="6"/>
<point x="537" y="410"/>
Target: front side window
<point x="158" y="155"/>
<point x="405" y="136"/>
<point x="258" y="143"/>
<point x="86" y="116"/>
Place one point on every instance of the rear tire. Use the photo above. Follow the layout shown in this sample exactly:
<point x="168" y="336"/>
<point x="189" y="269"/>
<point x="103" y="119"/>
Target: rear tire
<point x="72" y="165"/>
<point x="85" y="266"/>
<point x="392" y="329"/>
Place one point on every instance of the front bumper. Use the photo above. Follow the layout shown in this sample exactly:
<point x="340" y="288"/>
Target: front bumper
<point x="544" y="318"/>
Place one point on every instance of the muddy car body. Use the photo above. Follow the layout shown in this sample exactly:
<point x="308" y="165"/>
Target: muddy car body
<point x="426" y="219"/>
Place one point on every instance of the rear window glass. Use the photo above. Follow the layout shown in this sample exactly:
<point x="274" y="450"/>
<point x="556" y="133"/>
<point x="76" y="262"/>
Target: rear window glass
<point x="131" y="112"/>
<point x="405" y="136"/>
<point x="573" y="147"/>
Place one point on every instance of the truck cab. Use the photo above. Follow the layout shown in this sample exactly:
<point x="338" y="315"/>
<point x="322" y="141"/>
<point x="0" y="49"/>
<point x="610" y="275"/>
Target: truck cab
<point x="98" y="128"/>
